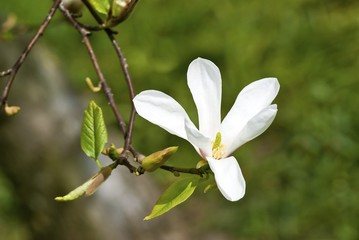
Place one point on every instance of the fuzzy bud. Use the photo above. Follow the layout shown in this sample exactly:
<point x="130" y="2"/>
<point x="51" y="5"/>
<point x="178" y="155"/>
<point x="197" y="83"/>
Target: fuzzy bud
<point x="157" y="159"/>
<point x="114" y="152"/>
<point x="73" y="6"/>
<point x="119" y="11"/>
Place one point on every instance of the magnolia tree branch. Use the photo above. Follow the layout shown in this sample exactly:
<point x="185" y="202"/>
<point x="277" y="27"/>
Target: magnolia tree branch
<point x="124" y="66"/>
<point x="15" y="68"/>
<point x="176" y="170"/>
<point x="85" y="31"/>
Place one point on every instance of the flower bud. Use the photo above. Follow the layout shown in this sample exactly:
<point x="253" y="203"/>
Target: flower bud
<point x="119" y="11"/>
<point x="91" y="86"/>
<point x="11" y="110"/>
<point x="114" y="152"/>
<point x="73" y="6"/>
<point x="157" y="159"/>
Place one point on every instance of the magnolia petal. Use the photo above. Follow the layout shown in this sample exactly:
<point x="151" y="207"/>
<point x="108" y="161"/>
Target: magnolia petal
<point x="204" y="81"/>
<point x="229" y="177"/>
<point x="201" y="143"/>
<point x="162" y="110"/>
<point x="250" y="101"/>
<point x="254" y="127"/>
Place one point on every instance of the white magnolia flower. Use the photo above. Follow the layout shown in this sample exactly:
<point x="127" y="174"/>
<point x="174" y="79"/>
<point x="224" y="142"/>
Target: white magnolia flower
<point x="251" y="115"/>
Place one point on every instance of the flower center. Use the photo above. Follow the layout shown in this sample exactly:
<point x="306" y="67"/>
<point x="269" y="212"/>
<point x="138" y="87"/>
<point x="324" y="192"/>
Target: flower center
<point x="218" y="148"/>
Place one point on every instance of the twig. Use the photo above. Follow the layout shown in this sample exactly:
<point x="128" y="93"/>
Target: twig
<point x="123" y="161"/>
<point x="174" y="170"/>
<point x="15" y="68"/>
<point x="124" y="65"/>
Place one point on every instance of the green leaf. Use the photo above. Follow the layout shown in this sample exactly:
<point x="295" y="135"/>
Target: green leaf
<point x="77" y="192"/>
<point x="89" y="187"/>
<point x="93" y="132"/>
<point x="101" y="6"/>
<point x="176" y="194"/>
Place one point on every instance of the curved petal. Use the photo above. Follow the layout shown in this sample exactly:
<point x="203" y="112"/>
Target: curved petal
<point x="250" y="101"/>
<point x="201" y="143"/>
<point x="229" y="177"/>
<point x="204" y="81"/>
<point x="162" y="110"/>
<point x="254" y="127"/>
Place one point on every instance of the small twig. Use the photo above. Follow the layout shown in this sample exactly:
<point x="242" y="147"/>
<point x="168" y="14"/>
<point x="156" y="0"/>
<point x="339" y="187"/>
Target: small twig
<point x="123" y="161"/>
<point x="124" y="65"/>
<point x="174" y="170"/>
<point x="91" y="28"/>
<point x="6" y="72"/>
<point x="15" y="68"/>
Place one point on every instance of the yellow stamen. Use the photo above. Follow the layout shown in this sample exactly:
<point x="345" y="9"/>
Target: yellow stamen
<point x="218" y="149"/>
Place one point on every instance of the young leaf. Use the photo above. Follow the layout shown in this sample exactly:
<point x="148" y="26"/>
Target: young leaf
<point x="89" y="187"/>
<point x="77" y="192"/>
<point x="176" y="194"/>
<point x="101" y="6"/>
<point x="93" y="132"/>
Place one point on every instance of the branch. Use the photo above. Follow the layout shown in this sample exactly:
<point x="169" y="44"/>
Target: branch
<point x="15" y="68"/>
<point x="84" y="33"/>
<point x="124" y="66"/>
<point x="177" y="170"/>
<point x="123" y="161"/>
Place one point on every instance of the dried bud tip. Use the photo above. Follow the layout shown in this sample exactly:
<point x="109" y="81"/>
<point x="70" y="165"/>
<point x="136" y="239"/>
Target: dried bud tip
<point x="97" y="180"/>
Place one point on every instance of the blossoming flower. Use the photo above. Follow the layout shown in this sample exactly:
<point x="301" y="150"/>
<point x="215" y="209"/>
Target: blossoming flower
<point x="251" y="115"/>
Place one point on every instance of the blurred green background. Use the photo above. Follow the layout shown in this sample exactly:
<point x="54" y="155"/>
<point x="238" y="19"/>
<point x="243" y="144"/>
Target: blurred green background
<point x="303" y="173"/>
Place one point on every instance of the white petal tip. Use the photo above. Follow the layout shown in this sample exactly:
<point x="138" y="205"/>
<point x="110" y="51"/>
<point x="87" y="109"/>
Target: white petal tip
<point x="228" y="177"/>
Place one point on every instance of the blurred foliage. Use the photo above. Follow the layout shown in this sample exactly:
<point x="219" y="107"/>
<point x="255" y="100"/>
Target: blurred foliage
<point x="302" y="174"/>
